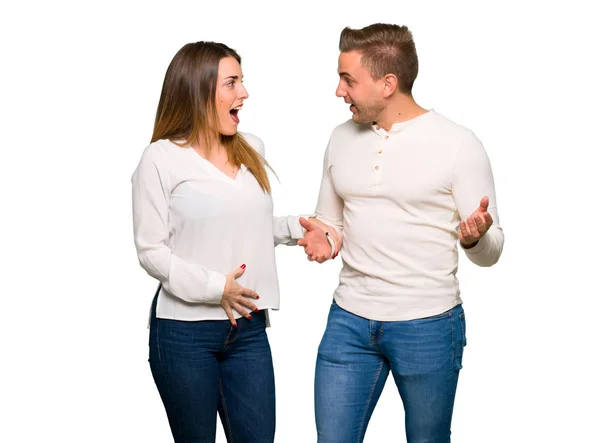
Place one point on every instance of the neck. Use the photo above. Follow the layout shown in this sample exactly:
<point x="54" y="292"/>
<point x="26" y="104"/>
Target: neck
<point x="400" y="108"/>
<point x="215" y="149"/>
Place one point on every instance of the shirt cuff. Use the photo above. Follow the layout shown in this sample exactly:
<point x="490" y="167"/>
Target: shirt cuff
<point x="332" y="244"/>
<point x="480" y="246"/>
<point x="216" y="287"/>
<point x="296" y="229"/>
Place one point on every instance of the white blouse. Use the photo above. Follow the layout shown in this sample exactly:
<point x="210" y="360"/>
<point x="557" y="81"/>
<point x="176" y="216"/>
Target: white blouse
<point x="193" y="225"/>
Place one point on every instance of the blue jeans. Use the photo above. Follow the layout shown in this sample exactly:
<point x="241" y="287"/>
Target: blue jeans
<point x="202" y="367"/>
<point x="355" y="357"/>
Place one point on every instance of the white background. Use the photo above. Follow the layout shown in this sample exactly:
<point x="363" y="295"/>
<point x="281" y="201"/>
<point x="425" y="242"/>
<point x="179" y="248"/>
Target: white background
<point x="79" y="87"/>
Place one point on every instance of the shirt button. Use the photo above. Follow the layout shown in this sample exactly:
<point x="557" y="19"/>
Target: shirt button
<point x="386" y="137"/>
<point x="377" y="168"/>
<point x="380" y="151"/>
<point x="376" y="127"/>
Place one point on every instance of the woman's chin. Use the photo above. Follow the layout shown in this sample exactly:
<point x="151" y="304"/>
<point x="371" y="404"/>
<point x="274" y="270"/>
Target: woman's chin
<point x="230" y="130"/>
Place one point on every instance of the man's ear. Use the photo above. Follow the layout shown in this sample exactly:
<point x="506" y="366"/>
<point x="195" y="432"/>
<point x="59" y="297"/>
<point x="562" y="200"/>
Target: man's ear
<point x="390" y="84"/>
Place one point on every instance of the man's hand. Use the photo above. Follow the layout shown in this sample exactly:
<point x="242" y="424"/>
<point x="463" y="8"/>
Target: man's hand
<point x="333" y="234"/>
<point x="476" y="225"/>
<point x="315" y="242"/>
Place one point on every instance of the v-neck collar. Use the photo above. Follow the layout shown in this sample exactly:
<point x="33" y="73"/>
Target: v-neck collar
<point x="216" y="172"/>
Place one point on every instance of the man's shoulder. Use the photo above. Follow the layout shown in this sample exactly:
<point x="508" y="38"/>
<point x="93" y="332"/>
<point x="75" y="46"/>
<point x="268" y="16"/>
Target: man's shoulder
<point x="350" y="127"/>
<point x="449" y="127"/>
<point x="350" y="131"/>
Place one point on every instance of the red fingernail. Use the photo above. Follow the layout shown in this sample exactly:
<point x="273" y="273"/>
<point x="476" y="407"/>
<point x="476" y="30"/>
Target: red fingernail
<point x="249" y="317"/>
<point x="235" y="325"/>
<point x="255" y="309"/>
<point x="257" y="297"/>
<point x="243" y="266"/>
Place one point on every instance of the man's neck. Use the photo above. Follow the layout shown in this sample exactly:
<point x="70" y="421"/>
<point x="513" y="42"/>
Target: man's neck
<point x="400" y="108"/>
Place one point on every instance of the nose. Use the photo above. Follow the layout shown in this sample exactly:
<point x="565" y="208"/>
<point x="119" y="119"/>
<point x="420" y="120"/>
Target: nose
<point x="243" y="93"/>
<point x="340" y="91"/>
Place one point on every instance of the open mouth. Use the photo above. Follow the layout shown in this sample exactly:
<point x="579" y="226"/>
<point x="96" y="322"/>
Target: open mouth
<point x="234" y="114"/>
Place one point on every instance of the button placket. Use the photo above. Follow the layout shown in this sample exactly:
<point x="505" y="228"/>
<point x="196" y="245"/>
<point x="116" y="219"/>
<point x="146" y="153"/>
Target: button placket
<point x="380" y="150"/>
<point x="378" y="164"/>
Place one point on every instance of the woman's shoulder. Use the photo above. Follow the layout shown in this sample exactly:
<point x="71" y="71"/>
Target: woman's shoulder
<point x="164" y="145"/>
<point x="161" y="150"/>
<point x="255" y="142"/>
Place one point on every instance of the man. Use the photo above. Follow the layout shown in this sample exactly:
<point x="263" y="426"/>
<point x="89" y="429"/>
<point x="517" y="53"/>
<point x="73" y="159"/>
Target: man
<point x="401" y="184"/>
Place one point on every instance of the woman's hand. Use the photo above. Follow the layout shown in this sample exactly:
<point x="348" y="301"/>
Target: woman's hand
<point x="237" y="297"/>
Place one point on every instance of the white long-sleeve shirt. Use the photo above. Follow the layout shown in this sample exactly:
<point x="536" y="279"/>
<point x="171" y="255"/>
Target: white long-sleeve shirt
<point x="397" y="199"/>
<point x="193" y="225"/>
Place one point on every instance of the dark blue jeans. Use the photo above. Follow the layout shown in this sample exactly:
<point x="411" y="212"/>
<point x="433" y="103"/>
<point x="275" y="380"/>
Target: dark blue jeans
<point x="202" y="367"/>
<point x="355" y="357"/>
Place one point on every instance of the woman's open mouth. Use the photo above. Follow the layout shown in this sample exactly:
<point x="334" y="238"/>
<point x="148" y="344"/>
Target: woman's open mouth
<point x="234" y="114"/>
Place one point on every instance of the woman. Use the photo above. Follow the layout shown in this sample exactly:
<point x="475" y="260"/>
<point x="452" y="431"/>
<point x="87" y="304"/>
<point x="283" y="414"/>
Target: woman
<point x="204" y="227"/>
